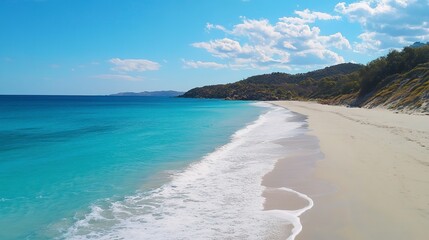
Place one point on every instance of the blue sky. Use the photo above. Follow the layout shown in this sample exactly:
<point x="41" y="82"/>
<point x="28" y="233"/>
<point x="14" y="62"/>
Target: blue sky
<point x="109" y="46"/>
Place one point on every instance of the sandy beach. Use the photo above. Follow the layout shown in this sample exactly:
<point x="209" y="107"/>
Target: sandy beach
<point x="367" y="171"/>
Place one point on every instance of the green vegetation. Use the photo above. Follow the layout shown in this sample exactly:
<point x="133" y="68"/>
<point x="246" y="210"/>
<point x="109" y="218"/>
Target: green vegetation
<point x="407" y="91"/>
<point x="399" y="80"/>
<point x="376" y="73"/>
<point x="283" y="86"/>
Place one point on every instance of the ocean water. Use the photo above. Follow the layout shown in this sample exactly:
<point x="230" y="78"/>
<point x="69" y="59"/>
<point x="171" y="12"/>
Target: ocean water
<point x="74" y="167"/>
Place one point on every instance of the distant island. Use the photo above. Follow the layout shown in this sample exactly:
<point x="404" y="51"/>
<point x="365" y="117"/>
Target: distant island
<point x="399" y="81"/>
<point x="150" y="94"/>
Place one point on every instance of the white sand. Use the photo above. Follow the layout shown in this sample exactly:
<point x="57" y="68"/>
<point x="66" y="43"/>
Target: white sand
<point x="377" y="163"/>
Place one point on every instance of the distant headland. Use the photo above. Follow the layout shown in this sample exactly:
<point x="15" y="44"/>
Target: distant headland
<point x="150" y="94"/>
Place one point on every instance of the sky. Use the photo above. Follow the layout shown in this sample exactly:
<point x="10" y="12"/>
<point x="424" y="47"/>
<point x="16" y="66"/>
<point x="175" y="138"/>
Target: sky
<point x="93" y="47"/>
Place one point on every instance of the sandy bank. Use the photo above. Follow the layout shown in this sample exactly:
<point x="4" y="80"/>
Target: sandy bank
<point x="373" y="181"/>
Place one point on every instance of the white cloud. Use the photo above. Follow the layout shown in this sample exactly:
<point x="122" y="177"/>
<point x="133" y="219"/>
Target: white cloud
<point x="311" y="16"/>
<point x="336" y="40"/>
<point x="118" y="77"/>
<point x="388" y="23"/>
<point x="307" y="16"/>
<point x="256" y="31"/>
<point x="289" y="45"/>
<point x="210" y="26"/>
<point x="201" y="64"/>
<point x="360" y="11"/>
<point x="134" y="65"/>
<point x="257" y="43"/>
<point x="369" y="42"/>
<point x="316" y="57"/>
<point x="223" y="48"/>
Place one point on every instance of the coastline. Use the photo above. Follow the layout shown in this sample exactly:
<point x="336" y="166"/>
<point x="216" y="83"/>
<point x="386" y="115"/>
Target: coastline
<point x="286" y="184"/>
<point x="218" y="196"/>
<point x="371" y="180"/>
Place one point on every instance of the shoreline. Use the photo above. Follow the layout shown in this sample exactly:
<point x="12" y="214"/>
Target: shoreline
<point x="371" y="180"/>
<point x="217" y="196"/>
<point x="287" y="185"/>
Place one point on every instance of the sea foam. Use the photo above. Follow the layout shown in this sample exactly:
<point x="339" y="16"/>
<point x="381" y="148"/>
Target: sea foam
<point x="218" y="197"/>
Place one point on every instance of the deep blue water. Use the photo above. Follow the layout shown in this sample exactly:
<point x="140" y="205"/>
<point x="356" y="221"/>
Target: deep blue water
<point x="61" y="154"/>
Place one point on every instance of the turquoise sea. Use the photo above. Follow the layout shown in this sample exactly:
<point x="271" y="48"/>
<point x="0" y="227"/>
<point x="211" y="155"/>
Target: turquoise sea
<point x="102" y="167"/>
<point x="62" y="155"/>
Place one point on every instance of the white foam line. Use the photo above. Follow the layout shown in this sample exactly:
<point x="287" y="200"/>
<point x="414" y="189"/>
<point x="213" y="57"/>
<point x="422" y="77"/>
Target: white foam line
<point x="293" y="215"/>
<point x="216" y="196"/>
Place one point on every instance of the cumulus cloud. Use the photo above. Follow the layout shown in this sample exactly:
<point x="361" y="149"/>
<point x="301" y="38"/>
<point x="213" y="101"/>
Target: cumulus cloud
<point x="388" y="23"/>
<point x="256" y="31"/>
<point x="210" y="26"/>
<point x="134" y="65"/>
<point x="223" y="48"/>
<point x="118" y="77"/>
<point x="336" y="40"/>
<point x="311" y="16"/>
<point x="359" y="11"/>
<point x="257" y="43"/>
<point x="201" y="64"/>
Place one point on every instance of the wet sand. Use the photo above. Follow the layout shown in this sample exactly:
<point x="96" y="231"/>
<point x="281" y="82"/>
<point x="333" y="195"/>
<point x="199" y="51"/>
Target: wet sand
<point x="367" y="171"/>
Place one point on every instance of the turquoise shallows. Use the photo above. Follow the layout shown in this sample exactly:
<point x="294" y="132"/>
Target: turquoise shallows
<point x="61" y="154"/>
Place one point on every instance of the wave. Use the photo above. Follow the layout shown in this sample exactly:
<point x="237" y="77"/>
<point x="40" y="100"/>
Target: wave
<point x="218" y="197"/>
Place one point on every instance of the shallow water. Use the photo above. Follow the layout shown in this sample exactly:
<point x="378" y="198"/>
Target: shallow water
<point x="140" y="168"/>
<point x="61" y="155"/>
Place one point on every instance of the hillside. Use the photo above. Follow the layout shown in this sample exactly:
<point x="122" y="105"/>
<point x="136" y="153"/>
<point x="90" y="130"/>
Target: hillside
<point x="278" y="86"/>
<point x="399" y="80"/>
<point x="280" y="78"/>
<point x="408" y="92"/>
